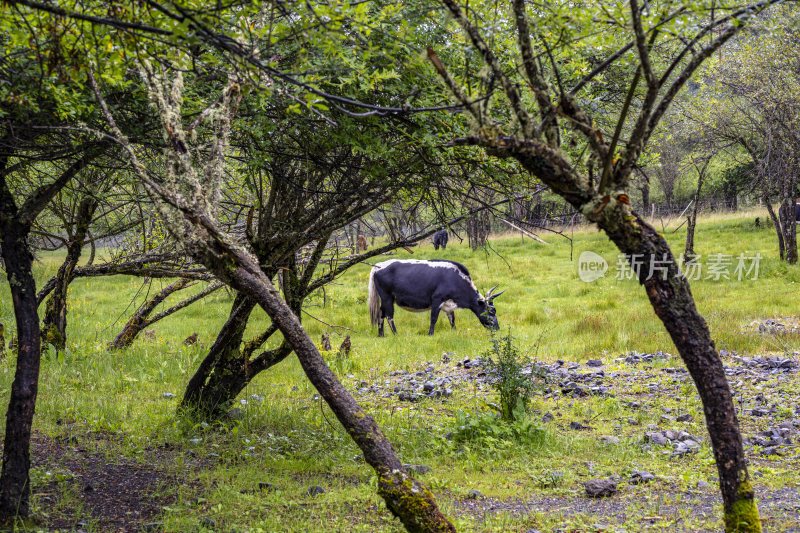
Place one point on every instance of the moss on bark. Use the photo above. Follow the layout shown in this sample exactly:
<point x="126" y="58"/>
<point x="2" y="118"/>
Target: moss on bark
<point x="742" y="516"/>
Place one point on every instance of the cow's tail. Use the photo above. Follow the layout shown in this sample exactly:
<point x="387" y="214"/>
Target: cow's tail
<point x="374" y="300"/>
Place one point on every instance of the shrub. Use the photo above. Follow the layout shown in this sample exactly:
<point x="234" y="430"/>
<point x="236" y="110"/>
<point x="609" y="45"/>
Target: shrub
<point x="506" y="366"/>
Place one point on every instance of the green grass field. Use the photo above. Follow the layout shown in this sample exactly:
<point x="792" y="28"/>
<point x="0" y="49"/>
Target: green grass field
<point x="112" y="402"/>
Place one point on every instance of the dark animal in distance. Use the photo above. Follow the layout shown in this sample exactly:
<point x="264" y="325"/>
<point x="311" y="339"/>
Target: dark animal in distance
<point x="440" y="238"/>
<point x="419" y="285"/>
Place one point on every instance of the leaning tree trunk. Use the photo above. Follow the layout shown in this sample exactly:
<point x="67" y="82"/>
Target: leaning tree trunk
<point x="404" y="496"/>
<point x="54" y="323"/>
<point x="139" y="319"/>
<point x="674" y="304"/>
<point x="209" y="390"/>
<point x="14" y="478"/>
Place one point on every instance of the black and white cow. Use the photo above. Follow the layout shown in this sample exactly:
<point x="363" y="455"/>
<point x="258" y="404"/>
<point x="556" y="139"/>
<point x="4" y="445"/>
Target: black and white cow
<point x="440" y="238"/>
<point x="418" y="285"/>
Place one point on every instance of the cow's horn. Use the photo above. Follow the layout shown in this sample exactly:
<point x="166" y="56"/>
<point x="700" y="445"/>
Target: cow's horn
<point x="489" y="292"/>
<point x="493" y="296"/>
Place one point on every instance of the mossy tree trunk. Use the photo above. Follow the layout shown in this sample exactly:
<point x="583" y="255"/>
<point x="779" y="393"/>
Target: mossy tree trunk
<point x="222" y="372"/>
<point x="532" y="140"/>
<point x="139" y="320"/>
<point x="54" y="323"/>
<point x="15" y="226"/>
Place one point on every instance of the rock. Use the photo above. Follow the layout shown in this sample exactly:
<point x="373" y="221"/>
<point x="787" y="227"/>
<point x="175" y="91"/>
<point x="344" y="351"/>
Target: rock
<point x="428" y="386"/>
<point x="610" y="439"/>
<point x="447" y="393"/>
<point x="671" y="435"/>
<point x="578" y="425"/>
<point x="419" y="469"/>
<point x="684" y="418"/>
<point x="641" y="476"/>
<point x="657" y="438"/>
<point x="594" y="363"/>
<point x="167" y="395"/>
<point x="256" y="398"/>
<point x="474" y="495"/>
<point x="600" y="488"/>
<point x="633" y="422"/>
<point x="315" y="490"/>
<point x="264" y="486"/>
<point x="683" y="448"/>
<point x="547" y="417"/>
<point x="702" y="485"/>
<point x="406" y="396"/>
<point x="235" y="414"/>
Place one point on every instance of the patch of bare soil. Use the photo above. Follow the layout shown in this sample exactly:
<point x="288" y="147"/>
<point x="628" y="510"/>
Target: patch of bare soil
<point x="94" y="491"/>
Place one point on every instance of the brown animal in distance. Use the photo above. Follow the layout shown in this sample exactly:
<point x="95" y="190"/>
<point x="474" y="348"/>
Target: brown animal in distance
<point x="361" y="245"/>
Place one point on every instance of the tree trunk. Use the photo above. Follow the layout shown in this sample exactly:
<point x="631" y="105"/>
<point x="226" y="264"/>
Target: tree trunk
<point x="777" y="225"/>
<point x="139" y="319"/>
<point x="54" y="323"/>
<point x="787" y="225"/>
<point x="209" y="390"/>
<point x="405" y="497"/>
<point x="672" y="301"/>
<point x="692" y="221"/>
<point x="14" y="479"/>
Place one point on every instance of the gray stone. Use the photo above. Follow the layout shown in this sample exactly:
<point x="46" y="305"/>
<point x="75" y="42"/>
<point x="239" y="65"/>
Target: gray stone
<point x="235" y="414"/>
<point x="578" y="425"/>
<point x="547" y="417"/>
<point x="474" y="495"/>
<point x="419" y="469"/>
<point x="600" y="488"/>
<point x="657" y="438"/>
<point x="641" y="476"/>
<point x="428" y="386"/>
<point x="594" y="362"/>
<point x="315" y="490"/>
<point x="167" y="395"/>
<point x="610" y="439"/>
<point x="684" y="418"/>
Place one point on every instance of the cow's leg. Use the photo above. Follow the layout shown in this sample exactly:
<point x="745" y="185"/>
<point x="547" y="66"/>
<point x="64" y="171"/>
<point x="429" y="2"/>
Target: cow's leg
<point x="434" y="316"/>
<point x="387" y="310"/>
<point x="451" y="316"/>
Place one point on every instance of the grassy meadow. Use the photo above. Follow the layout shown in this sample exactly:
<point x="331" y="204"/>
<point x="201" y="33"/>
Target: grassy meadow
<point x="113" y="403"/>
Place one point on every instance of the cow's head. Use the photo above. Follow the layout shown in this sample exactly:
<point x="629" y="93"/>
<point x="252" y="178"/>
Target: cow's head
<point x="486" y="311"/>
